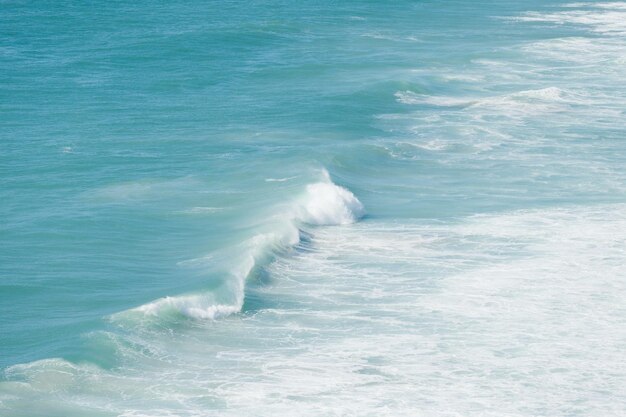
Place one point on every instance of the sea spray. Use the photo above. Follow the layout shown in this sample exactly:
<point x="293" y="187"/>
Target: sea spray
<point x="329" y="204"/>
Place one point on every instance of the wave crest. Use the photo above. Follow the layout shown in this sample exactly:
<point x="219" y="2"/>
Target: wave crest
<point x="329" y="204"/>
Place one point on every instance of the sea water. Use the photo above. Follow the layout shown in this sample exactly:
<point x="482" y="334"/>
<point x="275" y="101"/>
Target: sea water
<point x="325" y="208"/>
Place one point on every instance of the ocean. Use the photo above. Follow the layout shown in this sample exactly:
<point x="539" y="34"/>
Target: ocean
<point x="323" y="208"/>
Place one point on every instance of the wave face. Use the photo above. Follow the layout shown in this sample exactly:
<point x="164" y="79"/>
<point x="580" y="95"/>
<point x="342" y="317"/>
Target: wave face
<point x="183" y="228"/>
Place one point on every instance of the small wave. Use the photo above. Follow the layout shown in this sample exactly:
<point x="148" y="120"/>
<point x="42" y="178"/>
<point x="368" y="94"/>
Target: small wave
<point x="202" y="210"/>
<point x="323" y="204"/>
<point x="520" y="103"/>
<point x="279" y="179"/>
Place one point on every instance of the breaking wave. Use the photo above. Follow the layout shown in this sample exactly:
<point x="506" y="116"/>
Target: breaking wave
<point x="323" y="203"/>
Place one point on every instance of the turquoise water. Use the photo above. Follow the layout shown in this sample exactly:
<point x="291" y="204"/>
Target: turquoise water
<point x="312" y="208"/>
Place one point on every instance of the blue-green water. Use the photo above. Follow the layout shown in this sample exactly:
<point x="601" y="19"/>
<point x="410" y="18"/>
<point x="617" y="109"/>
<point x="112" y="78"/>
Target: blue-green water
<point x="318" y="208"/>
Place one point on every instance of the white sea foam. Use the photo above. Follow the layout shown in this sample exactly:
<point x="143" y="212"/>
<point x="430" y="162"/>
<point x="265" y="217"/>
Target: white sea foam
<point x="328" y="204"/>
<point x="201" y="306"/>
<point x="409" y="97"/>
<point x="617" y="5"/>
<point x="600" y="56"/>
<point x="603" y="18"/>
